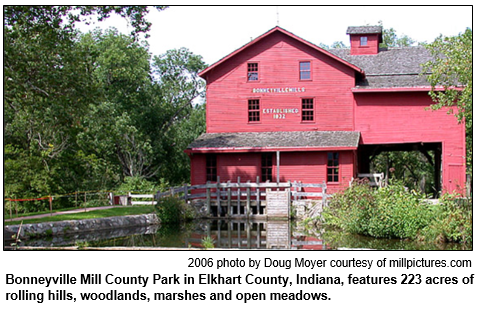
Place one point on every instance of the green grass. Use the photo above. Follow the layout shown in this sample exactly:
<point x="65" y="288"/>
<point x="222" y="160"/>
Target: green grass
<point x="102" y="213"/>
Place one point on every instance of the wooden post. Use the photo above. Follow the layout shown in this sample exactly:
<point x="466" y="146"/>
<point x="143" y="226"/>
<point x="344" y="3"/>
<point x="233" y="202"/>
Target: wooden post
<point x="229" y="198"/>
<point x="296" y="186"/>
<point x="51" y="205"/>
<point x="11" y="209"/>
<point x="239" y="240"/>
<point x="238" y="195"/>
<point x="258" y="235"/>
<point x="288" y="190"/>
<point x="229" y="234"/>
<point x="247" y="210"/>
<point x="217" y="191"/>
<point x="208" y="198"/>
<point x="249" y="236"/>
<point x="186" y="192"/>
<point x="258" y="195"/>
<point x="219" y="233"/>
<point x="323" y="190"/>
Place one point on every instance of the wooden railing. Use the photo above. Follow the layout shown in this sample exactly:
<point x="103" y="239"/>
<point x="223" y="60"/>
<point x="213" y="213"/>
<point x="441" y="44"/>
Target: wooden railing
<point x="232" y="195"/>
<point x="151" y="197"/>
<point x="185" y="191"/>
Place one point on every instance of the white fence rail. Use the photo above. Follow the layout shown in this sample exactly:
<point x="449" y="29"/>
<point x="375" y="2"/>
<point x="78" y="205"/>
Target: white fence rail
<point x="152" y="198"/>
<point x="375" y="180"/>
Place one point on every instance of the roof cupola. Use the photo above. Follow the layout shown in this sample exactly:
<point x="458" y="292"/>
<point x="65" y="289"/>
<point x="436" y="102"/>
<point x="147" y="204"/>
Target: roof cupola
<point x="365" y="40"/>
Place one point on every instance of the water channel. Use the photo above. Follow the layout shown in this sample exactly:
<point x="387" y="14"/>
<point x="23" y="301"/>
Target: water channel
<point x="236" y="234"/>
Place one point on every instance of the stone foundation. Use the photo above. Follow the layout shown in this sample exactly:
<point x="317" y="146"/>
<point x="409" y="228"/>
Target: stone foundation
<point x="78" y="226"/>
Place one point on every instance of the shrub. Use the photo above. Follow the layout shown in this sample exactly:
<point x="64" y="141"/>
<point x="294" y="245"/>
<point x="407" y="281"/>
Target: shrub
<point x="452" y="222"/>
<point x="350" y="210"/>
<point x="391" y="212"/>
<point x="171" y="210"/>
<point x="139" y="184"/>
<point x="398" y="213"/>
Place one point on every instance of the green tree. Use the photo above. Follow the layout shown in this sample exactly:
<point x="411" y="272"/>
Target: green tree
<point x="176" y="74"/>
<point x="114" y="121"/>
<point x="391" y="39"/>
<point x="141" y="124"/>
<point x="48" y="88"/>
<point x="42" y="18"/>
<point x="451" y="69"/>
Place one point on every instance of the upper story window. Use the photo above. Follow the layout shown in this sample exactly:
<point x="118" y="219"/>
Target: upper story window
<point x="252" y="71"/>
<point x="307" y="109"/>
<point x="305" y="70"/>
<point x="254" y="110"/>
<point x="363" y="41"/>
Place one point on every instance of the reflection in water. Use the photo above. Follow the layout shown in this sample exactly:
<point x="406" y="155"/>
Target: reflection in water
<point x="235" y="234"/>
<point x="91" y="237"/>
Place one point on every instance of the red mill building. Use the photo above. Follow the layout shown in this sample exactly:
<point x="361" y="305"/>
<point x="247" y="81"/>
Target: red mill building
<point x="283" y="109"/>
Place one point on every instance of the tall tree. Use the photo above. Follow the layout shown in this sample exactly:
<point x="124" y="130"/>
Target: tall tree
<point x="176" y="74"/>
<point x="138" y="122"/>
<point x="48" y="87"/>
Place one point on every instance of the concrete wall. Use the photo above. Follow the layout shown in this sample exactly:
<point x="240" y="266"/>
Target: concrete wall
<point x="78" y="226"/>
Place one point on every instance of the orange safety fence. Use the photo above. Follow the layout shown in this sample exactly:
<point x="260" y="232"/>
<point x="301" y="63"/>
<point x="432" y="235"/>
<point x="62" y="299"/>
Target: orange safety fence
<point x="55" y="196"/>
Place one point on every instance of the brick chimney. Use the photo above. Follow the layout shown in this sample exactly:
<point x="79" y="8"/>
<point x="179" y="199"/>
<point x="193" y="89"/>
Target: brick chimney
<point x="365" y="40"/>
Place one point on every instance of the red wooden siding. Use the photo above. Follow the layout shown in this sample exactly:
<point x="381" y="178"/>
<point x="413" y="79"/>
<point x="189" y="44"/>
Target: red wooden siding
<point x="370" y="49"/>
<point x="381" y="115"/>
<point x="307" y="167"/>
<point x="278" y="57"/>
<point x="393" y="118"/>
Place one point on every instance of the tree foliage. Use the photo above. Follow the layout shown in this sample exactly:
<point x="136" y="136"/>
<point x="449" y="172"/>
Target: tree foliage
<point x="451" y="70"/>
<point x="44" y="18"/>
<point x="91" y="111"/>
<point x="391" y="39"/>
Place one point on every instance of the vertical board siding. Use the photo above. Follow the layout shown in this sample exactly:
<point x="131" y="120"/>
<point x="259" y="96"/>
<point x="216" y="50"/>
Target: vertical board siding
<point x="406" y="118"/>
<point x="307" y="167"/>
<point x="228" y="90"/>
<point x="371" y="49"/>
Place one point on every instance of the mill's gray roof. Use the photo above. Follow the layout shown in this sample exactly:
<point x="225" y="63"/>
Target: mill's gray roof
<point x="364" y="30"/>
<point x="313" y="139"/>
<point x="393" y="67"/>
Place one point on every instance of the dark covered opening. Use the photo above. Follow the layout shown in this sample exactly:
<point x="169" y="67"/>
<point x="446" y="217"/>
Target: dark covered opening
<point x="418" y="165"/>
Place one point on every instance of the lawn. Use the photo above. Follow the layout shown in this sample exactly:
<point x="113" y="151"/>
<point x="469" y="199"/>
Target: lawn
<point x="93" y="214"/>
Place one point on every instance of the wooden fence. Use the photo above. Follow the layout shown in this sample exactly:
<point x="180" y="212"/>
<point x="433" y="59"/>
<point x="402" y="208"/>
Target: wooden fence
<point x="242" y="198"/>
<point x="145" y="199"/>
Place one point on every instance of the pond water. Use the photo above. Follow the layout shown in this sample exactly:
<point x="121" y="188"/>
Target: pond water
<point x="236" y="234"/>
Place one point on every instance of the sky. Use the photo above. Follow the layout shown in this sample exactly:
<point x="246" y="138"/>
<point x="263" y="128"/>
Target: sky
<point x="215" y="31"/>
